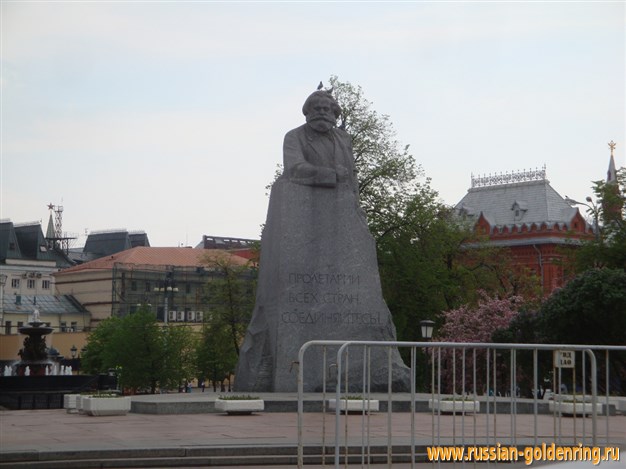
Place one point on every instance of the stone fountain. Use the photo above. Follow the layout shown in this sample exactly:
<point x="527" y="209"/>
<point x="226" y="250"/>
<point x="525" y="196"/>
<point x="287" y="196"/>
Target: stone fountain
<point x="34" y="356"/>
<point x="34" y="382"/>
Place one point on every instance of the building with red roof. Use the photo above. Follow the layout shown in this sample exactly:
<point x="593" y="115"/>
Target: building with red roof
<point x="171" y="281"/>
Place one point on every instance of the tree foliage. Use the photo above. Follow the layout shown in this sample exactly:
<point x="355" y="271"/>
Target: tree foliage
<point x="479" y="323"/>
<point x="590" y="309"/>
<point x="608" y="249"/>
<point x="146" y="354"/>
<point x="230" y="295"/>
<point x="97" y="357"/>
<point x="215" y="356"/>
<point x="386" y="169"/>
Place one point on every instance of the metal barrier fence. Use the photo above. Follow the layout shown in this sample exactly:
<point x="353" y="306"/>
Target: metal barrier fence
<point x="477" y="394"/>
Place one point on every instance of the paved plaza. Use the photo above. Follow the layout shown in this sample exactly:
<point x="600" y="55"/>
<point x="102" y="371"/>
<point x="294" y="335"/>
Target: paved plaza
<point x="54" y="430"/>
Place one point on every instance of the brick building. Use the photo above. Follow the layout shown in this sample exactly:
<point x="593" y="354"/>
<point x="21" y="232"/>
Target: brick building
<point x="522" y="212"/>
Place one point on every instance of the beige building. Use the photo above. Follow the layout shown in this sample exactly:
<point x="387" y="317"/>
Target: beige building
<point x="170" y="281"/>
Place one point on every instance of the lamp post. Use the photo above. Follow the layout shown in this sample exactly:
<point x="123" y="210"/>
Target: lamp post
<point x="167" y="287"/>
<point x="3" y="281"/>
<point x="593" y="209"/>
<point x="427" y="326"/>
<point x="73" y="352"/>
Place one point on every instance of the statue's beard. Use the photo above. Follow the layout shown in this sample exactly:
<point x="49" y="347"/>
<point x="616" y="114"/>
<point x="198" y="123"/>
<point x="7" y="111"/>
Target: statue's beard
<point x="321" y="124"/>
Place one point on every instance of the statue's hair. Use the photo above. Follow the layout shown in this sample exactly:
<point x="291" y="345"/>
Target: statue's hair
<point x="322" y="94"/>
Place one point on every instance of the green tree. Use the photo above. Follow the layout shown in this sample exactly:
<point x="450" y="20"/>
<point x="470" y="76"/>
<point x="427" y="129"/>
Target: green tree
<point x="590" y="309"/>
<point x="608" y="248"/>
<point x="230" y="292"/>
<point x="215" y="356"/>
<point x="149" y="355"/>
<point x="179" y="360"/>
<point x="138" y="349"/>
<point x="97" y="357"/>
<point x="386" y="169"/>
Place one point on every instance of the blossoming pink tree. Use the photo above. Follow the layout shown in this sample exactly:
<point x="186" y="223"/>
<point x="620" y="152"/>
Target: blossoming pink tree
<point x="475" y="324"/>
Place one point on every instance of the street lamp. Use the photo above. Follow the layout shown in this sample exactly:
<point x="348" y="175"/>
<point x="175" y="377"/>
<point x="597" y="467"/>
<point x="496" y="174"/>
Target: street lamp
<point x="3" y="281"/>
<point x="593" y="209"/>
<point x="168" y="287"/>
<point x="427" y="328"/>
<point x="73" y="351"/>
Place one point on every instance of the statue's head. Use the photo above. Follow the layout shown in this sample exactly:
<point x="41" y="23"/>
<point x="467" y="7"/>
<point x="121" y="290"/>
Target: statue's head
<point x="321" y="110"/>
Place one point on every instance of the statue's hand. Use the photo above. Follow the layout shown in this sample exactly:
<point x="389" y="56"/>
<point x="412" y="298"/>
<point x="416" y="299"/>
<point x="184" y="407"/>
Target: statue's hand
<point x="304" y="170"/>
<point x="342" y="174"/>
<point x="310" y="175"/>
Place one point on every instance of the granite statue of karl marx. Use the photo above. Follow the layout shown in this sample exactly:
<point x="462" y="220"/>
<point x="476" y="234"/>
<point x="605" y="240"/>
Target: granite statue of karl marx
<point x="318" y="153"/>
<point x="318" y="274"/>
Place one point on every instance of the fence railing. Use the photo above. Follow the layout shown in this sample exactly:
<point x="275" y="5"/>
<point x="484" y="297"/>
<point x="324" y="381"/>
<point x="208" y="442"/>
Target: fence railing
<point x="461" y="394"/>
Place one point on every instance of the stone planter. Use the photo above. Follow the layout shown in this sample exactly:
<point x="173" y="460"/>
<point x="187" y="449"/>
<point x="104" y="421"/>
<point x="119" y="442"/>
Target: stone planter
<point x="80" y="398"/>
<point x="354" y="405"/>
<point x="239" y="406"/>
<point x="105" y="406"/>
<point x="571" y="408"/>
<point x="70" y="403"/>
<point x="456" y="407"/>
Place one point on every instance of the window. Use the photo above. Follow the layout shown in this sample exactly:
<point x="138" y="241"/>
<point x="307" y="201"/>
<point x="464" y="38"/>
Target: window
<point x="30" y="284"/>
<point x="20" y="324"/>
<point x="133" y="285"/>
<point x="63" y="326"/>
<point x="45" y="284"/>
<point x="74" y="325"/>
<point x="15" y="283"/>
<point x="188" y="288"/>
<point x="147" y="289"/>
<point x="7" y="327"/>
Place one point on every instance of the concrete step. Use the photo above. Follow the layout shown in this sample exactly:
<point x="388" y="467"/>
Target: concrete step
<point x="200" y="457"/>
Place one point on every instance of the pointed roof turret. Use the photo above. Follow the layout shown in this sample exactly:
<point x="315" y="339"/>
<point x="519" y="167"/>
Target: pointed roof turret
<point x="50" y="231"/>
<point x="611" y="175"/>
<point x="612" y="202"/>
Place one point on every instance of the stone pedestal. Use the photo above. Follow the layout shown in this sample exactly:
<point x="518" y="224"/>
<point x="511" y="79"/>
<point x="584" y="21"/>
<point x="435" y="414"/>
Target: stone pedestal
<point x="318" y="280"/>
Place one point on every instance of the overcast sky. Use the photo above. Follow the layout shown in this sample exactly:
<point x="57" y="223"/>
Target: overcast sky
<point x="169" y="117"/>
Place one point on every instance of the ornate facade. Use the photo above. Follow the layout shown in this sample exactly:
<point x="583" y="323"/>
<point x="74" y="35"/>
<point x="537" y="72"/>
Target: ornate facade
<point x="522" y="212"/>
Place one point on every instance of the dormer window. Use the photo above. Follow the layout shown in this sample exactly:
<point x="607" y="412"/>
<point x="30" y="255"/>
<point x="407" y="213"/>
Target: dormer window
<point x="466" y="211"/>
<point x="519" y="208"/>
